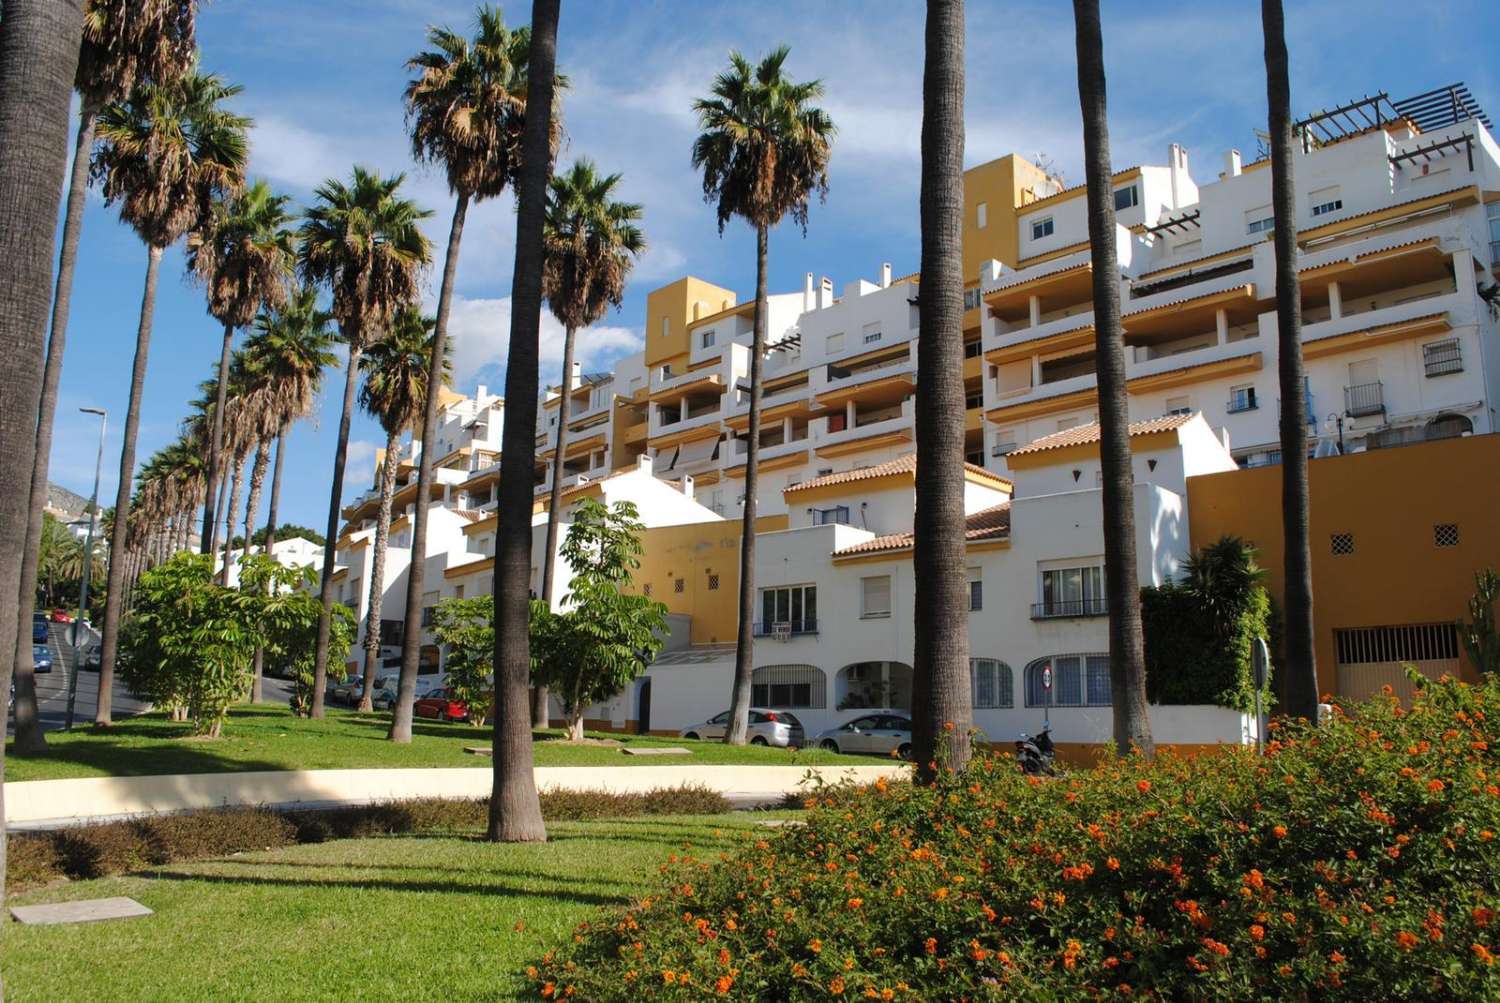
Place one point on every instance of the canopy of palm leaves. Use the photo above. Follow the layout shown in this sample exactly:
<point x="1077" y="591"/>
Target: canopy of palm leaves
<point x="168" y="150"/>
<point x="764" y="148"/>
<point x="362" y="240"/>
<point x="466" y="108"/>
<point x="244" y="252"/>
<point x="590" y="242"/>
<point x="169" y="486"/>
<point x="395" y="368"/>
<point x="291" y="346"/>
<point x="131" y="41"/>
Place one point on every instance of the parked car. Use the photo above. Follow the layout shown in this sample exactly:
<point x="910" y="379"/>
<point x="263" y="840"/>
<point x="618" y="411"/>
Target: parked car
<point x="61" y="615"/>
<point x="767" y="727"/>
<point x="39" y="628"/>
<point x="41" y="658"/>
<point x="91" y="659"/>
<point x="347" y="691"/>
<point x="439" y="703"/>
<point x="876" y="734"/>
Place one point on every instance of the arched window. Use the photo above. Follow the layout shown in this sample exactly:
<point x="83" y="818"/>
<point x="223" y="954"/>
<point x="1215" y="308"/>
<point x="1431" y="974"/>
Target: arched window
<point x="789" y="687"/>
<point x="1077" y="681"/>
<point x="994" y="685"/>
<point x="1449" y="426"/>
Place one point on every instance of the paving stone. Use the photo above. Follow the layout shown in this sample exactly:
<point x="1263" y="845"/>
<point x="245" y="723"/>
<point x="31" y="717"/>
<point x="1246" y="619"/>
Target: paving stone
<point x="656" y="750"/>
<point x="479" y="750"/>
<point x="82" y="911"/>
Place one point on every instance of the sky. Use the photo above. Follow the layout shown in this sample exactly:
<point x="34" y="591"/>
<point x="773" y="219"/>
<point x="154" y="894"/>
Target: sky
<point x="323" y="81"/>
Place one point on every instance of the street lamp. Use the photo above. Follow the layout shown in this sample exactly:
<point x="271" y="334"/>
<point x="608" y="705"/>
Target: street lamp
<point x="88" y="564"/>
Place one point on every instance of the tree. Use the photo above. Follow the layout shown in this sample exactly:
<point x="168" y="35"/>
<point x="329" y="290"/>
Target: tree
<point x="395" y="392"/>
<point x="239" y="433"/>
<point x="763" y="151"/>
<point x="1480" y="637"/>
<point x="123" y="41"/>
<point x="363" y="241"/>
<point x="1300" y="657"/>
<point x="515" y="809"/>
<point x="467" y="628"/>
<point x="1127" y="658"/>
<point x="605" y="638"/>
<point x="243" y="251"/>
<point x="466" y="110"/>
<point x="590" y="242"/>
<point x="166" y="153"/>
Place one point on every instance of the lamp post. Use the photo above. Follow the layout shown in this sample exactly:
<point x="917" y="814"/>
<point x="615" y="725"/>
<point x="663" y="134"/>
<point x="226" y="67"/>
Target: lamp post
<point x="88" y="564"/>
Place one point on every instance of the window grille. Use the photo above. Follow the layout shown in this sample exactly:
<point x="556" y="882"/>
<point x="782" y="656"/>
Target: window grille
<point x="713" y="583"/>
<point x="1422" y="642"/>
<point x="994" y="685"/>
<point x="679" y="584"/>
<point x="789" y="686"/>
<point x="1445" y="534"/>
<point x="1341" y="544"/>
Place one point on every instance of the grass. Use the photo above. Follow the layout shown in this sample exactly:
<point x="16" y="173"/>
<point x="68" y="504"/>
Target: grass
<point x="268" y="737"/>
<point x="435" y="917"/>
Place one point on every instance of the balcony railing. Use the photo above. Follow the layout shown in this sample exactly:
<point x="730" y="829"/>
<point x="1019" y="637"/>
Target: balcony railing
<point x="1364" y="399"/>
<point x="1442" y="357"/>
<point x="1241" y="402"/>
<point x="779" y="628"/>
<point x="1060" y="608"/>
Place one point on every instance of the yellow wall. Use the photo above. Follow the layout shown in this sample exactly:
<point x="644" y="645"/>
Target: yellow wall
<point x="675" y="303"/>
<point x="692" y="553"/>
<point x="1000" y="185"/>
<point x="1389" y="499"/>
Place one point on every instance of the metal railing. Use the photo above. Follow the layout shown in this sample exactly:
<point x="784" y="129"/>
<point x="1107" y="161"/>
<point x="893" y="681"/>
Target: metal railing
<point x="793" y="627"/>
<point x="1239" y="403"/>
<point x="1364" y="399"/>
<point x="1442" y="357"/>
<point x="1068" y="608"/>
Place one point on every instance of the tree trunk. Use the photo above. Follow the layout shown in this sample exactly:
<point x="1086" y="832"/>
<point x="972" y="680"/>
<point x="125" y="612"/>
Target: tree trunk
<point x="411" y="634"/>
<point x="330" y="547"/>
<point x="554" y="508"/>
<point x="515" y="810"/>
<point x="220" y="494"/>
<point x="216" y="441"/>
<point x="744" y="644"/>
<point x="237" y="468"/>
<point x="377" y="571"/>
<point x="258" y="671"/>
<point x="1127" y="661"/>
<point x="1301" y="670"/>
<point x="257" y="482"/>
<point x="575" y="725"/>
<point x="119" y="532"/>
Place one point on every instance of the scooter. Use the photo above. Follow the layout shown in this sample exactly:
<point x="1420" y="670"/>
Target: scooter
<point x="1037" y="756"/>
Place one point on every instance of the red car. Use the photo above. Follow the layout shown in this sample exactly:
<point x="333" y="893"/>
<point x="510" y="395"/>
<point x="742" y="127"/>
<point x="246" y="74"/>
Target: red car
<point x="61" y="615"/>
<point x="441" y="705"/>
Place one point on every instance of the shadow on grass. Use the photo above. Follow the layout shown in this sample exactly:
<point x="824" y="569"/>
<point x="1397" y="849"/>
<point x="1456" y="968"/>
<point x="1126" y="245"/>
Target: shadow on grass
<point x="546" y="885"/>
<point x="332" y="868"/>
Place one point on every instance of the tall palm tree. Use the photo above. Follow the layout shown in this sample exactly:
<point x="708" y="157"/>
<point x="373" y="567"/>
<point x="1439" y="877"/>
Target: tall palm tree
<point x="243" y="251"/>
<point x="123" y="41"/>
<point x="466" y="108"/>
<point x="1301" y="668"/>
<point x="763" y="151"/>
<point x="394" y="393"/>
<point x="591" y="242"/>
<point x="515" y="809"/>
<point x="363" y="241"/>
<point x="941" y="700"/>
<point x="1127" y="660"/>
<point x="237" y="425"/>
<point x="166" y="153"/>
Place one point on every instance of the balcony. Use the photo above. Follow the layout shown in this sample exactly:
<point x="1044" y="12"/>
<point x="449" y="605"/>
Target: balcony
<point x="1061" y="609"/>
<point x="1364" y="400"/>
<point x="1242" y="401"/>
<point x="868" y="432"/>
<point x="787" y="628"/>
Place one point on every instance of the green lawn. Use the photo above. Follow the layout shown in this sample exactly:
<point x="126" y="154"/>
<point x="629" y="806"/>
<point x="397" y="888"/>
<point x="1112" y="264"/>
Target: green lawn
<point x="266" y="737"/>
<point x="423" y="917"/>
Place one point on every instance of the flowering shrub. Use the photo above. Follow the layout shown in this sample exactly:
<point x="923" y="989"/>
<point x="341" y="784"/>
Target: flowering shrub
<point x="1358" y="860"/>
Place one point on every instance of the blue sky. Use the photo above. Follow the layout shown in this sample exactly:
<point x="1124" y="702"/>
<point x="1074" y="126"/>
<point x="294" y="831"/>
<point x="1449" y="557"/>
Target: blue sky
<point x="323" y="80"/>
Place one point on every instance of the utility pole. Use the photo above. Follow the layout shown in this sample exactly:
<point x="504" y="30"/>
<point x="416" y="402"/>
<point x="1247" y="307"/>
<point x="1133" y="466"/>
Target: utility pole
<point x="88" y="564"/>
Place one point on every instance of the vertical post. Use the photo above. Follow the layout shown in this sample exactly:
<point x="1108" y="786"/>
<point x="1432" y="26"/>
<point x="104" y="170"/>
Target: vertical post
<point x="88" y="563"/>
<point x="1335" y="301"/>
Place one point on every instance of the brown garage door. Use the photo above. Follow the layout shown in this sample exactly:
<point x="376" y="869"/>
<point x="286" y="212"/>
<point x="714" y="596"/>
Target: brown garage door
<point x="1370" y="658"/>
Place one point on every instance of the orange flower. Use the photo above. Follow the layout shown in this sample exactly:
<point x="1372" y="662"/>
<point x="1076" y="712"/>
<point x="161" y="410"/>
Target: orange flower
<point x="1257" y="932"/>
<point x="837" y="985"/>
<point x="887" y="994"/>
<point x="723" y="984"/>
<point x="1112" y="864"/>
<point x="1143" y="785"/>
<point x="548" y="990"/>
<point x="1482" y="916"/>
<point x="930" y="945"/>
<point x="856" y="903"/>
<point x="1279" y="832"/>
<point x="1406" y="939"/>
<point x="815" y="945"/>
<point x="723" y="957"/>
<point x="669" y="976"/>
<point x="1483" y="953"/>
<point x="1434" y="785"/>
<point x="1336" y="958"/>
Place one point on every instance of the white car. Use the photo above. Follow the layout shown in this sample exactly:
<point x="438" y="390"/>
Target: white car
<point x="767" y="727"/>
<point x="880" y="734"/>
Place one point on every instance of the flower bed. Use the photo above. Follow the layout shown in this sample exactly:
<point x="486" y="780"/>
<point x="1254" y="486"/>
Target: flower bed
<point x="1355" y="861"/>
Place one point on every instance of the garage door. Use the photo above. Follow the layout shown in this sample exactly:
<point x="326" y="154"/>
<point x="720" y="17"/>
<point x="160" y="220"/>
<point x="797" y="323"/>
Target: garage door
<point x="1371" y="658"/>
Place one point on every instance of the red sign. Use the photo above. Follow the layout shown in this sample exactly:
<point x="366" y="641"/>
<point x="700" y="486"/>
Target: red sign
<point x="1047" y="677"/>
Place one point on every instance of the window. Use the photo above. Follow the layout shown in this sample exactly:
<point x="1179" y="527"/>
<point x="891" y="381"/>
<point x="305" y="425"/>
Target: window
<point x="1445" y="534"/>
<point x="1341" y="544"/>
<point x="1005" y="442"/>
<point x="993" y="685"/>
<point x="973" y="399"/>
<point x="666" y="327"/>
<point x="875" y="596"/>
<point x="1071" y="592"/>
<point x="1419" y="642"/>
<point x="1041" y="228"/>
<point x="679" y="584"/>
<point x="1179" y="405"/>
<point x="788" y="686"/>
<point x="871" y="333"/>
<point x="1442" y="357"/>
<point x="713" y="583"/>
<point x="1063" y="424"/>
<point x="976" y="590"/>
<point x="708" y="339"/>
<point x="1077" y="681"/>
<point x="1127" y="198"/>
<point x="646" y="590"/>
<point x="666" y="372"/>
<point x="839" y="515"/>
<point x="972" y="298"/>
<point x="1323" y="208"/>
<point x="1492" y="212"/>
<point x="1260" y="220"/>
<point x="1325" y="200"/>
<point x="458" y="592"/>
<point x="982" y="215"/>
<point x="1242" y="399"/>
<point x="972" y="349"/>
<point x="791" y="604"/>
<point x="835" y="343"/>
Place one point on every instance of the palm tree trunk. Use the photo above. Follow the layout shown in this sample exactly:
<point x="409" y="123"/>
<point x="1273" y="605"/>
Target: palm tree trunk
<point x="377" y="571"/>
<point x="330" y="546"/>
<point x="258" y="672"/>
<point x="119" y="532"/>
<point x="554" y="507"/>
<point x="1127" y="661"/>
<point x="515" y="809"/>
<point x="220" y="495"/>
<point x="216" y="442"/>
<point x="941" y="699"/>
<point x="257" y="483"/>
<point x="30" y="737"/>
<point x="1300" y="657"/>
<point x="744" y="646"/>
<point x="411" y="634"/>
<point x="237" y="469"/>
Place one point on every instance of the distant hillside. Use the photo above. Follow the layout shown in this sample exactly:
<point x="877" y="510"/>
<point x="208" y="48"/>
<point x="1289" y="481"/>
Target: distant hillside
<point x="60" y="499"/>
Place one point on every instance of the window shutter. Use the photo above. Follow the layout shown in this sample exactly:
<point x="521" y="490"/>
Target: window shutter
<point x="877" y="595"/>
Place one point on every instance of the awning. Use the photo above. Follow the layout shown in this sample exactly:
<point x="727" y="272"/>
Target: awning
<point x="665" y="460"/>
<point x="696" y="451"/>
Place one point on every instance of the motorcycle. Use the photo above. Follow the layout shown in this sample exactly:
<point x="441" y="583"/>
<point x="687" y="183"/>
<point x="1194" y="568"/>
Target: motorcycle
<point x="1036" y="755"/>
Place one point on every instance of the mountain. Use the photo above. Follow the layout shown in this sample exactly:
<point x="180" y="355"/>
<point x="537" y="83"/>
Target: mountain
<point x="60" y="499"/>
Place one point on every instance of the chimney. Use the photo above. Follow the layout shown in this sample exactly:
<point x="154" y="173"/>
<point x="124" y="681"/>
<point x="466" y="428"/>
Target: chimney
<point x="1232" y="164"/>
<point x="697" y="309"/>
<point x="885" y="275"/>
<point x="482" y="392"/>
<point x="825" y="293"/>
<point x="643" y="464"/>
<point x="1176" y="170"/>
<point x="577" y="375"/>
<point x="808" y="301"/>
<point x="687" y="485"/>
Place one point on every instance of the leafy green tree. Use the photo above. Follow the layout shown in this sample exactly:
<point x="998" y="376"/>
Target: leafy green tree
<point x="289" y="620"/>
<point x="1480" y="637"/>
<point x="467" y="627"/>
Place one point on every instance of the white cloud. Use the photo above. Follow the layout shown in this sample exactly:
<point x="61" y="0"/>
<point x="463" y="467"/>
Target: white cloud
<point x="359" y="467"/>
<point x="479" y="342"/>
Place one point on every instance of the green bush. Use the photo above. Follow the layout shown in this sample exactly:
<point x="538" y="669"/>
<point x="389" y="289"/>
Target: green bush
<point x="1355" y="861"/>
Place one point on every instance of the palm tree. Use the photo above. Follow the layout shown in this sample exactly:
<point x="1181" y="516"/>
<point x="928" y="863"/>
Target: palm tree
<point x="1127" y="659"/>
<point x="237" y="425"/>
<point x="466" y="109"/>
<point x="362" y="240"/>
<point x="515" y="809"/>
<point x="123" y="41"/>
<point x="941" y="700"/>
<point x="763" y="151"/>
<point x="243" y="251"/>
<point x="395" y="393"/>
<point x="1300" y="659"/>
<point x="166" y="153"/>
<point x="590" y="242"/>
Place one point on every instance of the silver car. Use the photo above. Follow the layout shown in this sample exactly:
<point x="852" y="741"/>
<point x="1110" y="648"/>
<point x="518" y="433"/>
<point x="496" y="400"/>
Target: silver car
<point x="767" y="727"/>
<point x="874" y="734"/>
